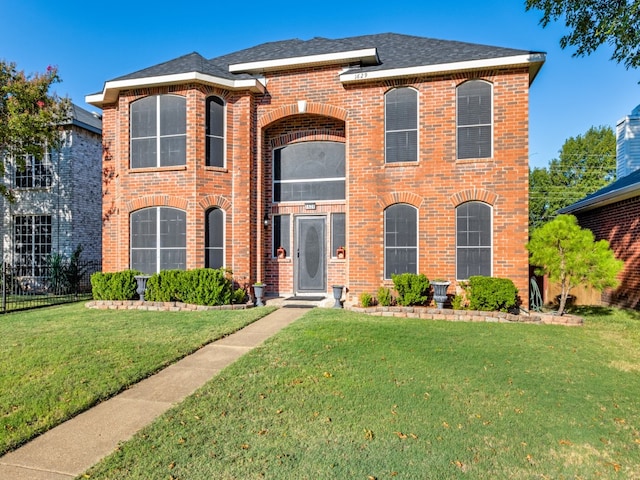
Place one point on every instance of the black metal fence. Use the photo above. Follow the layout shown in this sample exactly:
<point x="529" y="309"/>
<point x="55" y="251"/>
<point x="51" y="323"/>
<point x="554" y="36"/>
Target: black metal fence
<point x="24" y="288"/>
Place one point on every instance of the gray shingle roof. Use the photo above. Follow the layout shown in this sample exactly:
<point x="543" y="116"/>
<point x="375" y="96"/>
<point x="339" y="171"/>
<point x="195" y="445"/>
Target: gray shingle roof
<point x="394" y="51"/>
<point x="622" y="188"/>
<point x="85" y="119"/>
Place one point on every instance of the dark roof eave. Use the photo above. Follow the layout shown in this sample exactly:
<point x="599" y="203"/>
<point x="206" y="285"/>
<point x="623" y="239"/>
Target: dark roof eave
<point x="597" y="201"/>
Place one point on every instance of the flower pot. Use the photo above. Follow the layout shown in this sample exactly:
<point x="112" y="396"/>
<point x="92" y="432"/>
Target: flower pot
<point x="337" y="295"/>
<point x="258" y="291"/>
<point x="281" y="252"/>
<point x="440" y="292"/>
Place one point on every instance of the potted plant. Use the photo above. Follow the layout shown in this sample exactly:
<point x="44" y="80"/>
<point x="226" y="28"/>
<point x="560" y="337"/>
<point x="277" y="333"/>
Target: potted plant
<point x="440" y="291"/>
<point x="258" y="290"/>
<point x="340" y="252"/>
<point x="281" y="252"/>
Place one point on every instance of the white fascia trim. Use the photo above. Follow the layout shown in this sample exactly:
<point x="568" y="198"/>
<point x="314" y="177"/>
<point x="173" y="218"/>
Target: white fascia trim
<point x="112" y="89"/>
<point x="443" y="68"/>
<point x="369" y="54"/>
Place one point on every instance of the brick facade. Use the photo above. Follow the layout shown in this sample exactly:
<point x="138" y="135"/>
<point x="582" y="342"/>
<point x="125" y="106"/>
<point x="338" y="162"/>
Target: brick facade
<point x="619" y="224"/>
<point x="311" y="104"/>
<point x="73" y="200"/>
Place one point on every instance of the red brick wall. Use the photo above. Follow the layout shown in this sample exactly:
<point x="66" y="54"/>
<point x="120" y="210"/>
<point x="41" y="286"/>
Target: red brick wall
<point x="619" y="224"/>
<point x="354" y="114"/>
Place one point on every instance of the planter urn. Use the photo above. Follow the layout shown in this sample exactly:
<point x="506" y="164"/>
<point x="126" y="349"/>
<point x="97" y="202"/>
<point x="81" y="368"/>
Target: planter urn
<point x="440" y="292"/>
<point x="337" y="295"/>
<point x="141" y="281"/>
<point x="258" y="290"/>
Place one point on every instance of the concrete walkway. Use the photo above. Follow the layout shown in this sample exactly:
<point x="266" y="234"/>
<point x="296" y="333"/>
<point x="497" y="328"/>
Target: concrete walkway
<point x="74" y="446"/>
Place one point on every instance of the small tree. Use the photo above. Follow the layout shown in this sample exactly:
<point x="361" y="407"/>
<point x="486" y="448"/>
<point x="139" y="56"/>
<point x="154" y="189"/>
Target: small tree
<point x="570" y="255"/>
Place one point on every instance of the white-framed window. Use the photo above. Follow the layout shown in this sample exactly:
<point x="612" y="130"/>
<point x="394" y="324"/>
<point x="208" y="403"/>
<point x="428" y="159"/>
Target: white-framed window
<point x="158" y="239"/>
<point x="475" y="119"/>
<point x="474" y="243"/>
<point x="281" y="234"/>
<point x="214" y="238"/>
<point x="215" y="132"/>
<point x="338" y="232"/>
<point x="400" y="239"/>
<point x="309" y="171"/>
<point x="34" y="173"/>
<point x="401" y="125"/>
<point x="32" y="243"/>
<point x="159" y="131"/>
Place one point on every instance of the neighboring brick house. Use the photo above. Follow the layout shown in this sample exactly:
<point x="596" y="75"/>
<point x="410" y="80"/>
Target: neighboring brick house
<point x="57" y="199"/>
<point x="613" y="213"/>
<point x="409" y="152"/>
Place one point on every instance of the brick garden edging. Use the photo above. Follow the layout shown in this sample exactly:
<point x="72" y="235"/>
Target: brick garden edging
<point x="160" y="306"/>
<point x="469" y="315"/>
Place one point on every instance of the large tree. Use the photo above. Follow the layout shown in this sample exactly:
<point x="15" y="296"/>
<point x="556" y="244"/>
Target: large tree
<point x="571" y="256"/>
<point x="596" y="22"/>
<point x="30" y="115"/>
<point x="586" y="163"/>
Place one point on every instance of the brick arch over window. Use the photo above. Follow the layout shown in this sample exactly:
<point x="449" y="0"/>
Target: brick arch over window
<point x="312" y="108"/>
<point x="391" y="198"/>
<point x="315" y="135"/>
<point x="473" y="194"/>
<point x="157" y="201"/>
<point x="213" y="201"/>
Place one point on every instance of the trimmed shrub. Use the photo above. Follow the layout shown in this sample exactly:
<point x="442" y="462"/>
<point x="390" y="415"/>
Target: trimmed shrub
<point x="206" y="286"/>
<point x="384" y="296"/>
<point x="412" y="289"/>
<point x="114" y="285"/>
<point x="164" y="286"/>
<point x="491" y="294"/>
<point x="366" y="300"/>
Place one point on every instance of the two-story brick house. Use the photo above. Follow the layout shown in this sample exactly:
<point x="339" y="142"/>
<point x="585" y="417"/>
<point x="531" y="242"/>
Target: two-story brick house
<point x="57" y="199"/>
<point x="409" y="152"/>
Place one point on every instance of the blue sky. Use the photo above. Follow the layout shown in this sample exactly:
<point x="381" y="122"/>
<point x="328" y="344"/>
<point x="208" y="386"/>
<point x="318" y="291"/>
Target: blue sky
<point x="92" y="42"/>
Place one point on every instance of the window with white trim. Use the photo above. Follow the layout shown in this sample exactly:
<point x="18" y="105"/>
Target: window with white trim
<point x="401" y="125"/>
<point x="214" y="238"/>
<point x="309" y="171"/>
<point x="35" y="172"/>
<point x="32" y="243"/>
<point x="158" y="239"/>
<point x="281" y="234"/>
<point x="215" y="132"/>
<point x="159" y="131"/>
<point x="400" y="239"/>
<point x="474" y="119"/>
<point x="473" y="240"/>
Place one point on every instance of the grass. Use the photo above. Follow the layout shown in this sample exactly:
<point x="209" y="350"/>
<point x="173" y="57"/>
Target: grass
<point x="344" y="395"/>
<point x="56" y="362"/>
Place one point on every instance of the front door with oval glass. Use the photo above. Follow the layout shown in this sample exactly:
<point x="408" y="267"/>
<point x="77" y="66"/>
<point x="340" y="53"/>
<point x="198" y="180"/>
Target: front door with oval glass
<point x="310" y="259"/>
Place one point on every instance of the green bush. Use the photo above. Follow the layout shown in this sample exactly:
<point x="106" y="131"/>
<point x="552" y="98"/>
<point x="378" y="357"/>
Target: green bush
<point x="366" y="300"/>
<point x="202" y="286"/>
<point x="164" y="286"/>
<point x="492" y="294"/>
<point x="114" y="285"/>
<point x="412" y="289"/>
<point x="384" y="296"/>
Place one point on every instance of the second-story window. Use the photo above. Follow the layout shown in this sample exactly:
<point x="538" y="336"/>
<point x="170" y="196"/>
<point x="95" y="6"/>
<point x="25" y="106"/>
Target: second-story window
<point x="34" y="173"/>
<point x="158" y="131"/>
<point x="401" y="125"/>
<point x="215" y="132"/>
<point x="475" y="114"/>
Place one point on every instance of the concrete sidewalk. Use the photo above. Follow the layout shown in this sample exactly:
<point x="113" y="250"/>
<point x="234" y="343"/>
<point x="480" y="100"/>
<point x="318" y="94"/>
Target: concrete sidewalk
<point x="71" y="448"/>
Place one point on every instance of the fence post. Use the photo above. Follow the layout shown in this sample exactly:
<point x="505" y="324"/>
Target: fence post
<point x="4" y="287"/>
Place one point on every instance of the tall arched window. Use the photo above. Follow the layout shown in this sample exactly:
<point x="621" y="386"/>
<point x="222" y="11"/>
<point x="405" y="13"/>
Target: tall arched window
<point x="214" y="238"/>
<point x="158" y="239"/>
<point x="400" y="239"/>
<point x="473" y="240"/>
<point x="158" y="131"/>
<point x="475" y="119"/>
<point x="215" y="132"/>
<point x="401" y="125"/>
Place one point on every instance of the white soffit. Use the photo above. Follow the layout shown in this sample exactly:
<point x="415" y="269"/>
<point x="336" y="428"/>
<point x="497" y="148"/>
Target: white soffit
<point x="113" y="88"/>
<point x="535" y="60"/>
<point x="368" y="55"/>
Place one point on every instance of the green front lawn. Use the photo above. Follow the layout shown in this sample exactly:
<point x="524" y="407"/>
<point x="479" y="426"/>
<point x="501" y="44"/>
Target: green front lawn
<point x="57" y="361"/>
<point x="345" y="395"/>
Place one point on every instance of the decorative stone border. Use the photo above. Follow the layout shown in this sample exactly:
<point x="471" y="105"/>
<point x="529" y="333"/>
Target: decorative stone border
<point x="469" y="315"/>
<point x="160" y="306"/>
